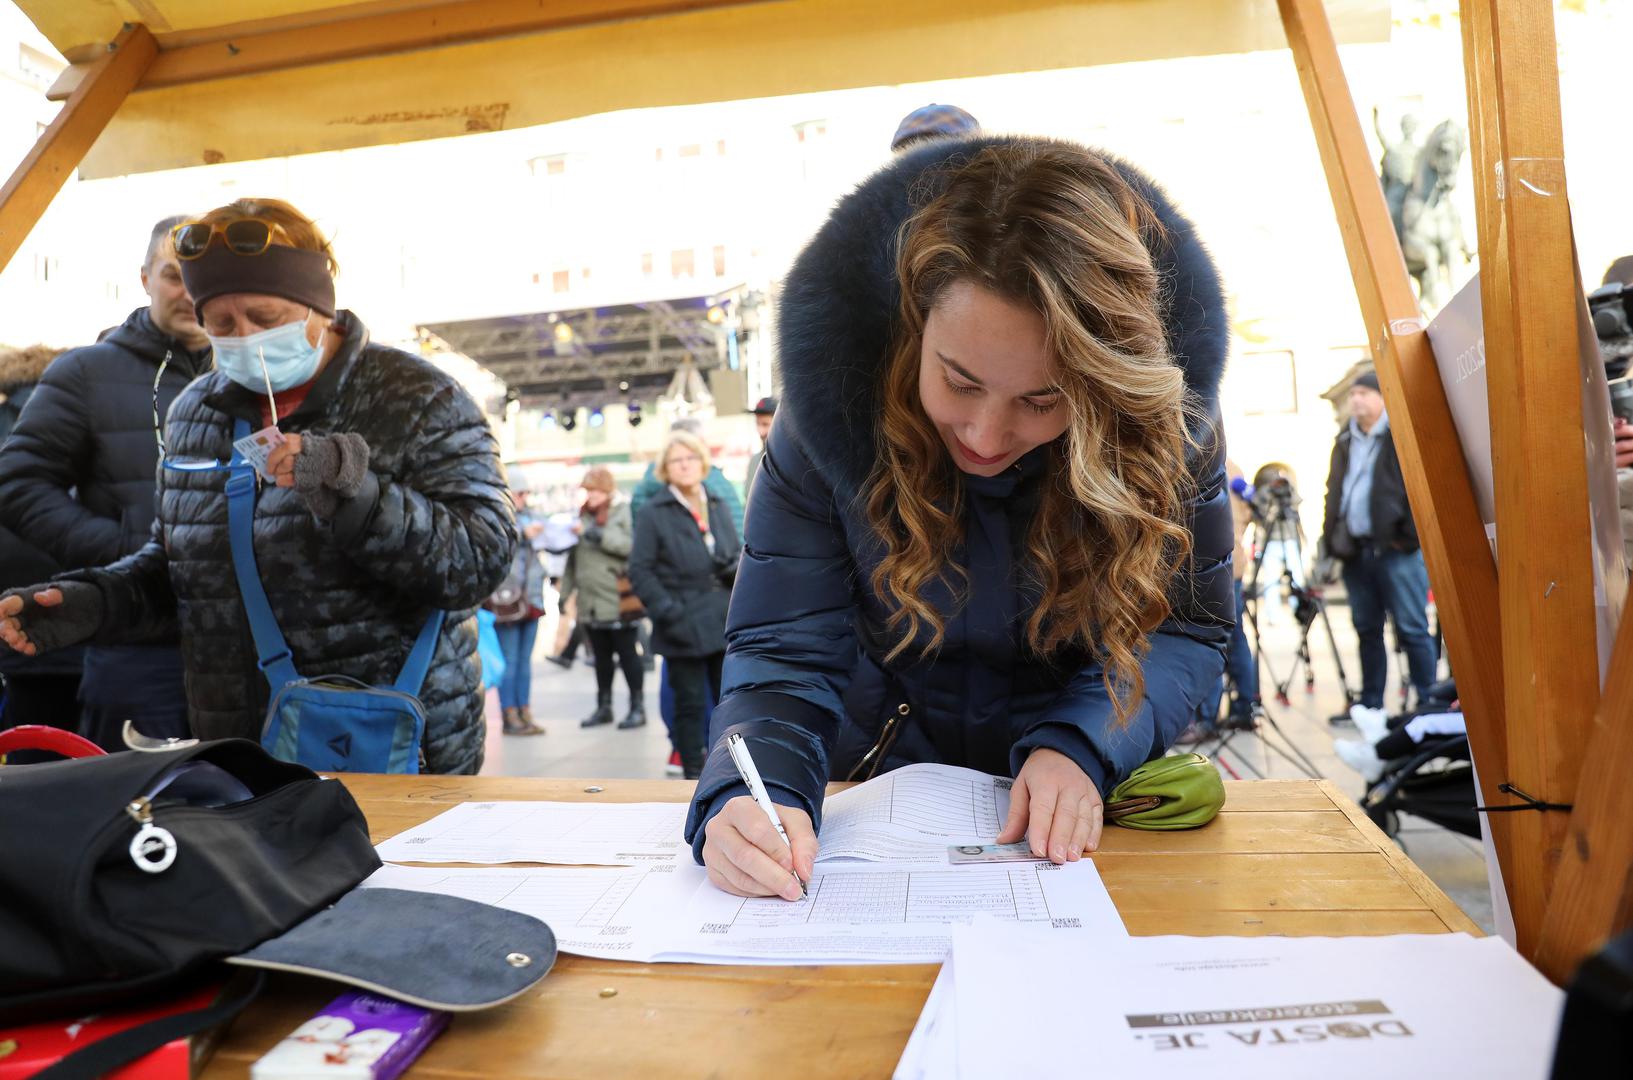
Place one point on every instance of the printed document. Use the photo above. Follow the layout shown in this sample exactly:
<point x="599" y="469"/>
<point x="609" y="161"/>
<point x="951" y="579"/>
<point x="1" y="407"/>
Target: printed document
<point x="852" y="914"/>
<point x="615" y="914"/>
<point x="1266" y="1008"/>
<point x="913" y="814"/>
<point x="606" y="834"/>
<point x="882" y="914"/>
<point x="910" y="815"/>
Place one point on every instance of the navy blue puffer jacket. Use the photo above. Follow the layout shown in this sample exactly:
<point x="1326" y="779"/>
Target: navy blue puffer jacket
<point x="805" y="683"/>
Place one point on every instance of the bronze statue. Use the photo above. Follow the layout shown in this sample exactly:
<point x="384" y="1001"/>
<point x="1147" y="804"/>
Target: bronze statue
<point x="1418" y="183"/>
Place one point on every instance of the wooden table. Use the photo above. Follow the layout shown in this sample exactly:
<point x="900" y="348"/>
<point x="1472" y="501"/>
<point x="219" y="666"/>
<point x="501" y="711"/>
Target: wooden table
<point x="1284" y="857"/>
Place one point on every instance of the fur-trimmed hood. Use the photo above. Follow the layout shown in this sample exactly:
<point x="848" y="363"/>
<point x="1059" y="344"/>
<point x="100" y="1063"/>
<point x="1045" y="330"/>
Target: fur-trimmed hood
<point x="839" y="304"/>
<point x="23" y="366"/>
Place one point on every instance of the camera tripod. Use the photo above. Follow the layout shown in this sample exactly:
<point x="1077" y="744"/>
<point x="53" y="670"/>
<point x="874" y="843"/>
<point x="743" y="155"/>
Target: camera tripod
<point x="1282" y="518"/>
<point x="1308" y="607"/>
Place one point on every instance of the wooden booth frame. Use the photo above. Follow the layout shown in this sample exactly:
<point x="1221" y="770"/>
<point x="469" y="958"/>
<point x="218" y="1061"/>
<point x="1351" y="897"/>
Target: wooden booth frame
<point x="1520" y="634"/>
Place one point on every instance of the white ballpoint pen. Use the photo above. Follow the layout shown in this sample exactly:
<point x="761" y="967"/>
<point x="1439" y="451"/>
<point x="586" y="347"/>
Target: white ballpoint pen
<point x="756" y="789"/>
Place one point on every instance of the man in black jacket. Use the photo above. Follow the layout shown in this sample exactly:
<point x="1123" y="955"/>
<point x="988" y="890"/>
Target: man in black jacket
<point x="77" y="479"/>
<point x="1369" y="526"/>
<point x="33" y="689"/>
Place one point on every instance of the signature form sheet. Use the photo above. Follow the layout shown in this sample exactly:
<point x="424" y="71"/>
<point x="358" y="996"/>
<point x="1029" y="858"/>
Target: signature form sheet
<point x="910" y="815"/>
<point x="851" y="915"/>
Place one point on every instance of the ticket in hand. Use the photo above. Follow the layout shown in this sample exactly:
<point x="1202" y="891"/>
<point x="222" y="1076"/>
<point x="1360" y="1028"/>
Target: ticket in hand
<point x="258" y="446"/>
<point x="1020" y="851"/>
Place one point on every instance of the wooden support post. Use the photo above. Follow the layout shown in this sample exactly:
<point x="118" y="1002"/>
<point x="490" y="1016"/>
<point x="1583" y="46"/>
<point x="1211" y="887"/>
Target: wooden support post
<point x="1437" y="480"/>
<point x="63" y="145"/>
<point x="1529" y="296"/>
<point x="1593" y="891"/>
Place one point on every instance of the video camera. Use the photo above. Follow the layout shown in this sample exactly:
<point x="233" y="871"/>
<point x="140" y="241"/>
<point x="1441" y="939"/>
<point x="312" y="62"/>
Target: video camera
<point x="1611" y="307"/>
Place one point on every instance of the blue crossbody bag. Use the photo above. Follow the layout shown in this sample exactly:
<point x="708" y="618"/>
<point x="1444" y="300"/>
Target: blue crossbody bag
<point x="331" y="722"/>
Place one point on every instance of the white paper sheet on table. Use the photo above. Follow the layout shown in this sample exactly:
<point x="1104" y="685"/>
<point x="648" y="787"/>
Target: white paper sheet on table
<point x="608" y="834"/>
<point x="855" y="914"/>
<point x="910" y="815"/>
<point x="866" y="913"/>
<point x="913" y="814"/>
<point x="1266" y="1008"/>
<point x="611" y="913"/>
<point x="932" y="1049"/>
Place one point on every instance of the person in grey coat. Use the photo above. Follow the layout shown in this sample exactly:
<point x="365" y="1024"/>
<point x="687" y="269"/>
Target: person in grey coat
<point x="384" y="503"/>
<point x="682" y="568"/>
<point x="609" y="612"/>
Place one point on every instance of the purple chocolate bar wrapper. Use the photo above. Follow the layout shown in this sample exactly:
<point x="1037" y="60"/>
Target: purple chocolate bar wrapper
<point x="417" y="1027"/>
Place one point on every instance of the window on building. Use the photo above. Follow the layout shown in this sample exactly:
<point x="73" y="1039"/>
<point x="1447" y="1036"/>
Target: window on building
<point x="720" y="148"/>
<point x="691" y="150"/>
<point x="719" y="260"/>
<point x="646" y="263"/>
<point x="561" y="281"/>
<point x="584" y="273"/>
<point x="810" y="130"/>
<point x="681" y="263"/>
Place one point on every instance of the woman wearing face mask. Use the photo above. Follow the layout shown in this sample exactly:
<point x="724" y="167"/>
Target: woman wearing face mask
<point x="387" y="500"/>
<point x="990" y="528"/>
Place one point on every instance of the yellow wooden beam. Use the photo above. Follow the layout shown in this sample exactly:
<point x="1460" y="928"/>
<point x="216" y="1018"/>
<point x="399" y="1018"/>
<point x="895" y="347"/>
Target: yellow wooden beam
<point x="1529" y="296"/>
<point x="321" y="38"/>
<point x="1437" y="479"/>
<point x="1592" y="899"/>
<point x="61" y="146"/>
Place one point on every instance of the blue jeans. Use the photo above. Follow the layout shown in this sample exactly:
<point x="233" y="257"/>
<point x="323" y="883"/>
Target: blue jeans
<point x="1239" y="662"/>
<point x="140" y="683"/>
<point x="516" y="642"/>
<point x="1396" y="582"/>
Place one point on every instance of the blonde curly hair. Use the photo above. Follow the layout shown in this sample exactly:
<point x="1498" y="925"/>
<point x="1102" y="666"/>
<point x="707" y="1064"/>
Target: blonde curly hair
<point x="1054" y="226"/>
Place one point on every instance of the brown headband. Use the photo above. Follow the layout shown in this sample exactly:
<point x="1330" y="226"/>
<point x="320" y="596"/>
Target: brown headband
<point x="292" y="273"/>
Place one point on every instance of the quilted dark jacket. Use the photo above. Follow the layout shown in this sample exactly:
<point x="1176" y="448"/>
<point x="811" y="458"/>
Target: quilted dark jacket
<point x="805" y="683"/>
<point x="431" y="528"/>
<point x="76" y="477"/>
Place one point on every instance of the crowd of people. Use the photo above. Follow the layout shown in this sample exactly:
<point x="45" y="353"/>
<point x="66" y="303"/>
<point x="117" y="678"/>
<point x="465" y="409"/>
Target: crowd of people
<point x="991" y="523"/>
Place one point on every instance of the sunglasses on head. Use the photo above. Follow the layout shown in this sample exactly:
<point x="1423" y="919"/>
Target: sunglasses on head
<point x="243" y="236"/>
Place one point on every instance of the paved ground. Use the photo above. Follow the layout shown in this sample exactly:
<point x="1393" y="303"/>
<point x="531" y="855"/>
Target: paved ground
<point x="562" y="698"/>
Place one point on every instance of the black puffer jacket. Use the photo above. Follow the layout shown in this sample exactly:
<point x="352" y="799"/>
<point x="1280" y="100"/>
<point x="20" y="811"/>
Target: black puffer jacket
<point x="1392" y="526"/>
<point x="21" y="563"/>
<point x="431" y="528"/>
<point x="684" y="586"/>
<point x="88" y="429"/>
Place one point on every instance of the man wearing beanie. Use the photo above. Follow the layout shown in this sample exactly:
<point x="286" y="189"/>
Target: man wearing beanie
<point x="1369" y="527"/>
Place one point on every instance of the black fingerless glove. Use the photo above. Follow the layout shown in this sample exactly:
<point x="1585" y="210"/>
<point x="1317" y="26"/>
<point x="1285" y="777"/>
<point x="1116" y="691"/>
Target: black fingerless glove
<point x="330" y="468"/>
<point x="76" y="619"/>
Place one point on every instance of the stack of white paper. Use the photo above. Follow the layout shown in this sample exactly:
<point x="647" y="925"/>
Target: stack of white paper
<point x="884" y="890"/>
<point x="1335" y="1008"/>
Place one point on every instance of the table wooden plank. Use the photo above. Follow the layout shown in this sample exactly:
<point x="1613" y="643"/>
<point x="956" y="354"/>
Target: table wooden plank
<point x="1274" y="795"/>
<point x="1286" y="923"/>
<point x="1433" y="896"/>
<point x="1285" y="857"/>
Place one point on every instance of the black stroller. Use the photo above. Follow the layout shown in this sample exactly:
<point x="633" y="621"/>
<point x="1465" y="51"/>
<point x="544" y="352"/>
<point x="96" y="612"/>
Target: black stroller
<point x="1434" y="782"/>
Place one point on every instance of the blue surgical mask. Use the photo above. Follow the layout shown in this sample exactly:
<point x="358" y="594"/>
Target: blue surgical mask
<point x="273" y="360"/>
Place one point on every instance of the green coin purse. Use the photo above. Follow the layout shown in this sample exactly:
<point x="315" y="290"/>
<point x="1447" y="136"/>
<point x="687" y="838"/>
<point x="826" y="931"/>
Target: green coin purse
<point x="1179" y="792"/>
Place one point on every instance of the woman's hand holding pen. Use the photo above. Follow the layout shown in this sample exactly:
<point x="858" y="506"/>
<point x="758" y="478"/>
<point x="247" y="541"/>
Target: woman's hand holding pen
<point x="746" y="857"/>
<point x="1055" y="806"/>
